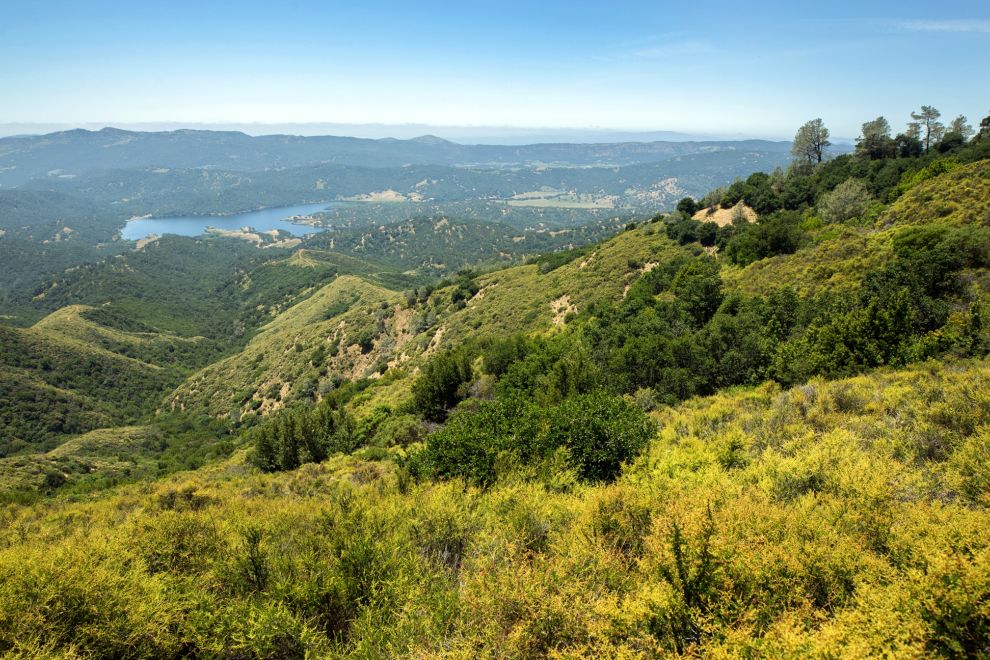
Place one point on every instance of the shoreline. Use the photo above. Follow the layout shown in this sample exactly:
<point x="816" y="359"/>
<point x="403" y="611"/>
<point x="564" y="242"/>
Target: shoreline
<point x="227" y="214"/>
<point x="302" y="218"/>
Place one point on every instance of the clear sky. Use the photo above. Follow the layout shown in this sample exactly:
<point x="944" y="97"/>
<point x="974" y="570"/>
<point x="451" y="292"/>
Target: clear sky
<point x="725" y="68"/>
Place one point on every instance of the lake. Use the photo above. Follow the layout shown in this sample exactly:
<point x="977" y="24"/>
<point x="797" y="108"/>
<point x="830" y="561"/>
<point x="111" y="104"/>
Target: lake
<point x="195" y="225"/>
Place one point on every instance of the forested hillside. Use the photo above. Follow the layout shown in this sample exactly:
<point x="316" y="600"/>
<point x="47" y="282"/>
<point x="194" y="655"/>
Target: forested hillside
<point x="756" y="425"/>
<point x="162" y="191"/>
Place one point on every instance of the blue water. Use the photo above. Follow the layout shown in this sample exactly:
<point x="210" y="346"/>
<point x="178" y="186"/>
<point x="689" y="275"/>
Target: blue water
<point x="195" y="225"/>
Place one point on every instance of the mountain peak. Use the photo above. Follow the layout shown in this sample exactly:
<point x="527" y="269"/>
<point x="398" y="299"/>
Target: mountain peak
<point x="430" y="139"/>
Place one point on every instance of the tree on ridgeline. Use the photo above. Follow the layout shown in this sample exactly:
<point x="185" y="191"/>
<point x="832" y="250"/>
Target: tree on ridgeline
<point x="928" y="126"/>
<point x="984" y="132"/>
<point x="908" y="145"/>
<point x="875" y="143"/>
<point x="914" y="131"/>
<point x="961" y="126"/>
<point x="811" y="142"/>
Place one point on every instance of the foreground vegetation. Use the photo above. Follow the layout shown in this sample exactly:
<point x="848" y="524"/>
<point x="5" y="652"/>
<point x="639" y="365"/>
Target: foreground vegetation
<point x="834" y="518"/>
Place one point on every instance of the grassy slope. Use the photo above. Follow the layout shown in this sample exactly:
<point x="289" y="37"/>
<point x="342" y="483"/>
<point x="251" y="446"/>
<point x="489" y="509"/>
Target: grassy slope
<point x="522" y="299"/>
<point x="69" y="373"/>
<point x="844" y="518"/>
<point x="86" y="366"/>
<point x="71" y="324"/>
<point x="280" y="356"/>
<point x="37" y="413"/>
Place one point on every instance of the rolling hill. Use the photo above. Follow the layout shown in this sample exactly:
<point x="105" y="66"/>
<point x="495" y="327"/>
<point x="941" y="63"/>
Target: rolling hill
<point x="332" y="324"/>
<point x="840" y="256"/>
<point x="142" y="322"/>
<point x="67" y="375"/>
<point x="70" y="153"/>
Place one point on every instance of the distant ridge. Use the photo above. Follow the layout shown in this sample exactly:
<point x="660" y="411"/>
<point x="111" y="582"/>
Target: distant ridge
<point x="497" y="135"/>
<point x="76" y="151"/>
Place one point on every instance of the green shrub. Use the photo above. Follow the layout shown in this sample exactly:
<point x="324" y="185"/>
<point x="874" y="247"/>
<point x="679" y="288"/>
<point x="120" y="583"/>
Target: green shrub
<point x="438" y="387"/>
<point x="599" y="431"/>
<point x="847" y="201"/>
<point x="177" y="542"/>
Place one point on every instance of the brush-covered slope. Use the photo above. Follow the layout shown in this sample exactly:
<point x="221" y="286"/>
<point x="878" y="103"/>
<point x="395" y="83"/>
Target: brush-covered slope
<point x="840" y="255"/>
<point x="176" y="284"/>
<point x="103" y="328"/>
<point x="109" y="453"/>
<point x="351" y="328"/>
<point x="69" y="374"/>
<point x="444" y="243"/>
<point x="86" y="366"/>
<point x="339" y="331"/>
<point x="844" y="518"/>
<point x="542" y="296"/>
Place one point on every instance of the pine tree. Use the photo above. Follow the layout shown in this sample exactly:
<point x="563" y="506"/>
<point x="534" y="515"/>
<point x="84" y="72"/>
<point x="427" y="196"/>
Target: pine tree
<point x="961" y="126"/>
<point x="927" y="119"/>
<point x="875" y="142"/>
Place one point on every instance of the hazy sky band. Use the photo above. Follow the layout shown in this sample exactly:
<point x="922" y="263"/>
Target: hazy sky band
<point x="754" y="69"/>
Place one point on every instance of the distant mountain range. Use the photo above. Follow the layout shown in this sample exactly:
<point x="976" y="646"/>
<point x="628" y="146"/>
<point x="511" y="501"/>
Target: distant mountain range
<point x="71" y="153"/>
<point x="504" y="135"/>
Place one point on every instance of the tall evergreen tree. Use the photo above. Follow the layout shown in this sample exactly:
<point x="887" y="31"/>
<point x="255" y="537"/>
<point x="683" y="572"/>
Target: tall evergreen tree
<point x="961" y="126"/>
<point x="266" y="454"/>
<point x="932" y="129"/>
<point x="984" y="133"/>
<point x="288" y="443"/>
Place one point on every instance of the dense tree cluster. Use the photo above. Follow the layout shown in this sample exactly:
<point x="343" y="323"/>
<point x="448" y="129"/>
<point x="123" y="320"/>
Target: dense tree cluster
<point x="592" y="433"/>
<point x="441" y="384"/>
<point x="923" y="133"/>
<point x="292" y="438"/>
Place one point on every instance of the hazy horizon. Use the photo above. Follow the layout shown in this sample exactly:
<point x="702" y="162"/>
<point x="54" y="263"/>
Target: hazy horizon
<point x="504" y="135"/>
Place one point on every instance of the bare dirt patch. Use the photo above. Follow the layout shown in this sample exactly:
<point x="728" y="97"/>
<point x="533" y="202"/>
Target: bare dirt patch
<point x="561" y="307"/>
<point x="723" y="217"/>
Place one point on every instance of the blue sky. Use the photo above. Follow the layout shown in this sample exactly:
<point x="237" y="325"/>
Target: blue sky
<point x="722" y="68"/>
